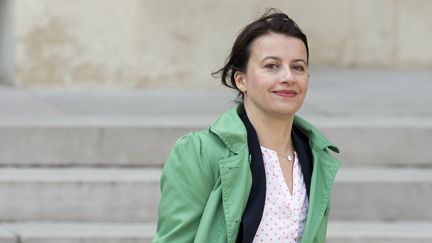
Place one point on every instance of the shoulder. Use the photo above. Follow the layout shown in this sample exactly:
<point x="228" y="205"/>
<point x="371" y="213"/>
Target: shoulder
<point x="196" y="152"/>
<point x="202" y="142"/>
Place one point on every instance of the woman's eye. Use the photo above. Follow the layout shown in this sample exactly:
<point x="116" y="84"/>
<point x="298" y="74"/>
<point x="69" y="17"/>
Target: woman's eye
<point x="271" y="66"/>
<point x="299" y="68"/>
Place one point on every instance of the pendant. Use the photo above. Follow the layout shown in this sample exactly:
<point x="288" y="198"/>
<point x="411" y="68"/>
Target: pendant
<point x="289" y="157"/>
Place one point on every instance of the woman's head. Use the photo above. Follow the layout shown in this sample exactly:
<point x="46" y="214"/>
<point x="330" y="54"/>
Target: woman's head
<point x="273" y="21"/>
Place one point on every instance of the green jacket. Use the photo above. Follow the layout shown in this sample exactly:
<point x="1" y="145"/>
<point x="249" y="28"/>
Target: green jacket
<point x="206" y="181"/>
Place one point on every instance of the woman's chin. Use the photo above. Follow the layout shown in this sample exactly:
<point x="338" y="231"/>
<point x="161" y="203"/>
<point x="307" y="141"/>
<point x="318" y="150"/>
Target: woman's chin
<point x="284" y="114"/>
<point x="286" y="111"/>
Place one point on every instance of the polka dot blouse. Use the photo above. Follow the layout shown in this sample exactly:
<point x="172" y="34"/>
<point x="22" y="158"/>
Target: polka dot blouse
<point x="284" y="214"/>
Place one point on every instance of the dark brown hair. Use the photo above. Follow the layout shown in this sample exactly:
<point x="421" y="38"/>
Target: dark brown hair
<point x="273" y="21"/>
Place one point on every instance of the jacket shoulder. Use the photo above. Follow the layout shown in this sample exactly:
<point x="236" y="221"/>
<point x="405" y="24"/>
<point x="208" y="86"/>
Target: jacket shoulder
<point x="198" y="148"/>
<point x="203" y="139"/>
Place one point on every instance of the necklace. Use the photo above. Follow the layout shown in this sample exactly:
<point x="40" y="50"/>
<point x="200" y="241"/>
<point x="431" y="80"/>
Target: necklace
<point x="288" y="157"/>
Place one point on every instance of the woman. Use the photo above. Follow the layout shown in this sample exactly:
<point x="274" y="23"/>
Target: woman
<point x="259" y="173"/>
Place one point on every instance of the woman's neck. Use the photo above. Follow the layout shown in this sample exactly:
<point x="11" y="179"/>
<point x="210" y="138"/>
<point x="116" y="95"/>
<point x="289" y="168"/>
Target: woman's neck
<point x="273" y="132"/>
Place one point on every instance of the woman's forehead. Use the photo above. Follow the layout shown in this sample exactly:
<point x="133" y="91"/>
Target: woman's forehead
<point x="278" y="46"/>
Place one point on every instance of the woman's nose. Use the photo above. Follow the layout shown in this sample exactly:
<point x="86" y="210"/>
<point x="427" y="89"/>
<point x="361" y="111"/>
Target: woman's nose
<point x="287" y="76"/>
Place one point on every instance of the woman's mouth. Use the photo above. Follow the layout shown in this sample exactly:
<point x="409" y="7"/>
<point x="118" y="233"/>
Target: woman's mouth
<point x="285" y="93"/>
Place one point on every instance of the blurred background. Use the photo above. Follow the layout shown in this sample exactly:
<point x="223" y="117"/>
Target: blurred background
<point x="94" y="93"/>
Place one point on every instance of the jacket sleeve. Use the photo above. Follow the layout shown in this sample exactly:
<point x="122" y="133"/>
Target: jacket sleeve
<point x="186" y="183"/>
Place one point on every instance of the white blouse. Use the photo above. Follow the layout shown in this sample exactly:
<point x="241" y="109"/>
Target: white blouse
<point x="284" y="214"/>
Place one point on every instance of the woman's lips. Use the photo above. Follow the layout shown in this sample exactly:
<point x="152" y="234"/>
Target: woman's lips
<point x="285" y="93"/>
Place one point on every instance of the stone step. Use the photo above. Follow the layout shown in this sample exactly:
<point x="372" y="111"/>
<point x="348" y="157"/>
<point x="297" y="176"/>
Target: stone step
<point x="7" y="236"/>
<point x="382" y="194"/>
<point x="338" y="232"/>
<point x="77" y="194"/>
<point x="86" y="145"/>
<point x="147" y="141"/>
<point x="66" y="232"/>
<point x="379" y="232"/>
<point x="132" y="195"/>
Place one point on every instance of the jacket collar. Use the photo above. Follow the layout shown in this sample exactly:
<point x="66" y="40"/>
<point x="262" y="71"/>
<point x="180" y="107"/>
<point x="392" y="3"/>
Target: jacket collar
<point x="314" y="135"/>
<point x="230" y="129"/>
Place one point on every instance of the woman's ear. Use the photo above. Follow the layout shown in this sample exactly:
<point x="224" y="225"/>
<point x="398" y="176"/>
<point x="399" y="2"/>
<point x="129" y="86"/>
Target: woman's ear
<point x="240" y="80"/>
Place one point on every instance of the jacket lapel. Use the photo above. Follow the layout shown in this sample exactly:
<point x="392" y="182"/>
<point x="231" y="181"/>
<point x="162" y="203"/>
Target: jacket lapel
<point x="235" y="174"/>
<point x="323" y="175"/>
<point x="321" y="183"/>
<point x="236" y="180"/>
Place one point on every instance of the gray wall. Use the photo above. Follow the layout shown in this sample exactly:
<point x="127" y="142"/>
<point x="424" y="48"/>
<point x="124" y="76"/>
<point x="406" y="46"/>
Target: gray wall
<point x="111" y="44"/>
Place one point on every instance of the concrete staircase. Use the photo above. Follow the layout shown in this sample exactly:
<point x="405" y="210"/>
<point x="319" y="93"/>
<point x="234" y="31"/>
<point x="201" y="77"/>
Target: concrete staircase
<point x="83" y="166"/>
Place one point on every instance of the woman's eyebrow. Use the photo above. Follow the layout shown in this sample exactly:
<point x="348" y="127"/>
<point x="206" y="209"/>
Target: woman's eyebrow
<point x="299" y="60"/>
<point x="271" y="57"/>
<point x="280" y="59"/>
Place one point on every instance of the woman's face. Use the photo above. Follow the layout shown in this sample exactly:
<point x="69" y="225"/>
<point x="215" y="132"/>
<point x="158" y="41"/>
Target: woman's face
<point x="276" y="78"/>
